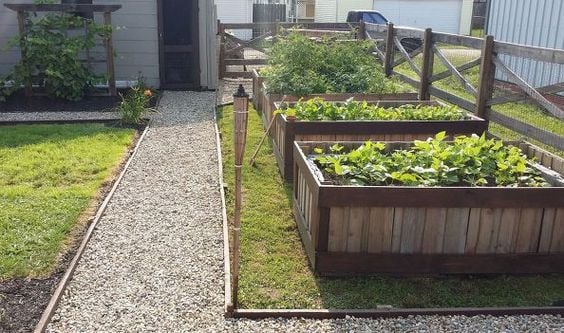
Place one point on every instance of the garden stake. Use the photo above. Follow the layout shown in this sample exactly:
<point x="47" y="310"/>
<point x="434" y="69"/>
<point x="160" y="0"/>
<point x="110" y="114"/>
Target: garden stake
<point x="254" y="157"/>
<point x="240" y="110"/>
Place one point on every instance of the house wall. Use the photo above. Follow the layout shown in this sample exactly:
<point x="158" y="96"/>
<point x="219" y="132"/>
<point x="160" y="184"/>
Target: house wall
<point x="135" y="41"/>
<point x="440" y="15"/>
<point x="534" y="23"/>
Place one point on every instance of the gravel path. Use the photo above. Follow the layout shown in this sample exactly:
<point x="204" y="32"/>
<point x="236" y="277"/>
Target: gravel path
<point x="56" y="116"/>
<point x="155" y="263"/>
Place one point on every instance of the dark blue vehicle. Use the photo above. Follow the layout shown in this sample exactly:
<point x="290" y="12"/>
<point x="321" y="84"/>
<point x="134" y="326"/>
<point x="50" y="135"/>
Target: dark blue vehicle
<point x="375" y="17"/>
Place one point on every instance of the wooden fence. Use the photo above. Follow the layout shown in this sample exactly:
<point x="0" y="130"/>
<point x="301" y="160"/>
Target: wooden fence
<point x="390" y="50"/>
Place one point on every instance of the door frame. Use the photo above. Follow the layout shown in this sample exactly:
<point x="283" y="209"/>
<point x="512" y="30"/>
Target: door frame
<point x="195" y="44"/>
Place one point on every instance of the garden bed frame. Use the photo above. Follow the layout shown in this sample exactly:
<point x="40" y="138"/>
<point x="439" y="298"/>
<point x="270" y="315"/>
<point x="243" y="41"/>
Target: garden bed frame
<point x="362" y="230"/>
<point x="265" y="102"/>
<point x="285" y="132"/>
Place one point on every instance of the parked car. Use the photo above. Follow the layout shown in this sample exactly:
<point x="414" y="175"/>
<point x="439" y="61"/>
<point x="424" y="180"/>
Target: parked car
<point x="371" y="16"/>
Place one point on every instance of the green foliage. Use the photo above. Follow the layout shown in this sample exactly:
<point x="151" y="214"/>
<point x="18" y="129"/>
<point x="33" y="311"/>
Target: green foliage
<point x="135" y="104"/>
<point x="49" y="174"/>
<point x="318" y="109"/>
<point x="301" y="66"/>
<point x="52" y="47"/>
<point x="468" y="161"/>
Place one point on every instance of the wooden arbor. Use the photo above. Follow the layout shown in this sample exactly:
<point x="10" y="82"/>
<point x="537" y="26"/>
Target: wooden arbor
<point x="23" y="11"/>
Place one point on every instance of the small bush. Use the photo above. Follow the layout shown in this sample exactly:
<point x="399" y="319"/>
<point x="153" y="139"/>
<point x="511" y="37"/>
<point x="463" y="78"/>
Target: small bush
<point x="135" y="104"/>
<point x="301" y="66"/>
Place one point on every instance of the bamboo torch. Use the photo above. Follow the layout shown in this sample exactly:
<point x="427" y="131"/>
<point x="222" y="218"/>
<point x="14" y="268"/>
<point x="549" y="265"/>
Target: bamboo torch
<point x="240" y="110"/>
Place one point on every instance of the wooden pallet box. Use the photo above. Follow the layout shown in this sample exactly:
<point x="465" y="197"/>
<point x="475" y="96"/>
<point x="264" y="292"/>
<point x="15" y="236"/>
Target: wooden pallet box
<point x="364" y="230"/>
<point x="265" y="102"/>
<point x="285" y="132"/>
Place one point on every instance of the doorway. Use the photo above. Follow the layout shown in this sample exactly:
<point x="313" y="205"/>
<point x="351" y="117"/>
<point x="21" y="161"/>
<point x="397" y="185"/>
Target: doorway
<point x="179" y="60"/>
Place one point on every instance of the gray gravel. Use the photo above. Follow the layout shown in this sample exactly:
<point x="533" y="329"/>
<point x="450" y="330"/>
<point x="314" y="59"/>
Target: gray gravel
<point x="155" y="263"/>
<point x="56" y="116"/>
<point x="227" y="87"/>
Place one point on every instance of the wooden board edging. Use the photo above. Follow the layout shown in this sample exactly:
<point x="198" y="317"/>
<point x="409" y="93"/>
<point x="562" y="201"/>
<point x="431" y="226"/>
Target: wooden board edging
<point x="228" y="306"/>
<point x="387" y="312"/>
<point x="67" y="277"/>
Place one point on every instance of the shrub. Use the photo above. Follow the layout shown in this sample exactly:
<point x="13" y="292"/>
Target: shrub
<point x="134" y="104"/>
<point x="301" y="66"/>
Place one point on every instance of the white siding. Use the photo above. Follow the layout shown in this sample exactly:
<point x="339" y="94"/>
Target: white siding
<point x="325" y="11"/>
<point x="440" y="15"/>
<point x="534" y="23"/>
<point x="337" y="10"/>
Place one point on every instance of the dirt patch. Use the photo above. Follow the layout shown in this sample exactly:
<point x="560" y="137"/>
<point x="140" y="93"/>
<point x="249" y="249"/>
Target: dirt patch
<point x="23" y="300"/>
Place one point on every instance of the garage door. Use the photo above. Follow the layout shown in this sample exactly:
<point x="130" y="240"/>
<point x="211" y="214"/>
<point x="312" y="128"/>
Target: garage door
<point x="440" y="15"/>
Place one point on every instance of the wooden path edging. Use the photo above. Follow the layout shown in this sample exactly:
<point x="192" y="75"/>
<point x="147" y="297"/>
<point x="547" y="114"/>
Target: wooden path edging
<point x="56" y="297"/>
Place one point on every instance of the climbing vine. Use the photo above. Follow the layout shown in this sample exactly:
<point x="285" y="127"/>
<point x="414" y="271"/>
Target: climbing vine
<point x="52" y="48"/>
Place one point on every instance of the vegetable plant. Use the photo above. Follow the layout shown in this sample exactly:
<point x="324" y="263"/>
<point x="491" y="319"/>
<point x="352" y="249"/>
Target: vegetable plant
<point x="468" y="161"/>
<point x="318" y="109"/>
<point x="300" y="66"/>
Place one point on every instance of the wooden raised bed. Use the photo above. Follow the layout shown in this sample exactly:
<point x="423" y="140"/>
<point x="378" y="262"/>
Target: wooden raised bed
<point x="265" y="102"/>
<point x="360" y="230"/>
<point x="285" y="132"/>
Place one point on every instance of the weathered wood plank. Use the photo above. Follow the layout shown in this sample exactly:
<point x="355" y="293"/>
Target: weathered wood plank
<point x="557" y="243"/>
<point x="433" y="233"/>
<point x="380" y="230"/>
<point x="357" y="219"/>
<point x="412" y="230"/>
<point x="533" y="52"/>
<point x="62" y="7"/>
<point x="472" y="42"/>
<point x="507" y="235"/>
<point x="546" y="230"/>
<point x="528" y="232"/>
<point x="487" y="228"/>
<point x="338" y="229"/>
<point x="456" y="228"/>
<point x="406" y="56"/>
<point x="397" y="229"/>
<point x="461" y="68"/>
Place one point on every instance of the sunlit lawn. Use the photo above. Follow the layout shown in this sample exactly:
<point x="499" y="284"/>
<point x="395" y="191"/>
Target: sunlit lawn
<point x="49" y="176"/>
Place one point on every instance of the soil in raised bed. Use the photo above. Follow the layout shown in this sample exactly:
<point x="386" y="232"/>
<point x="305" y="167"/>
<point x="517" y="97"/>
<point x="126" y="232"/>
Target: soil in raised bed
<point x="23" y="300"/>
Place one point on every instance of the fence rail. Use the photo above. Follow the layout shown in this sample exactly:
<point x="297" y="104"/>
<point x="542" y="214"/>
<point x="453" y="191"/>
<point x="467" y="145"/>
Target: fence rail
<point x="392" y="52"/>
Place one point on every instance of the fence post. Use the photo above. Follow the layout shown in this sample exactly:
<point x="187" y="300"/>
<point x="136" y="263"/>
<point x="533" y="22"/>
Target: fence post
<point x="427" y="70"/>
<point x="221" y="33"/>
<point x="389" y="59"/>
<point x="487" y="78"/>
<point x="362" y="30"/>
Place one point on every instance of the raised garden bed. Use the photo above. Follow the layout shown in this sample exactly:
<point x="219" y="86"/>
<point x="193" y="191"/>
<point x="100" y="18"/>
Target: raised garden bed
<point x="359" y="230"/>
<point x="285" y="132"/>
<point x="265" y="102"/>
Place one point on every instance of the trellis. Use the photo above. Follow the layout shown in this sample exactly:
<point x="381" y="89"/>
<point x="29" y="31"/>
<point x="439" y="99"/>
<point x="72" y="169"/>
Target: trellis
<point x="23" y="11"/>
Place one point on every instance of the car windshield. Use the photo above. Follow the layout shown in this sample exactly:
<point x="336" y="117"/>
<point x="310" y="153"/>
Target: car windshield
<point x="373" y="18"/>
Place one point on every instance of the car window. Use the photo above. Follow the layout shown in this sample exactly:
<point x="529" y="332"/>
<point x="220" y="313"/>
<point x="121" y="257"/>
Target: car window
<point x="374" y="18"/>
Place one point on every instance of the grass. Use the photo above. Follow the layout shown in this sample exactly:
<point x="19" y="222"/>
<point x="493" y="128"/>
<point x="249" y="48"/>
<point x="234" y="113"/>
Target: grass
<point x="275" y="271"/>
<point x="49" y="176"/>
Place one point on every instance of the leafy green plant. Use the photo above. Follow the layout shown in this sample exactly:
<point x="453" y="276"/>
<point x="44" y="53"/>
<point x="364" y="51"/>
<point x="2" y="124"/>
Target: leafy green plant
<point x="301" y="66"/>
<point x="468" y="161"/>
<point x="52" y="49"/>
<point x="318" y="109"/>
<point x="135" y="104"/>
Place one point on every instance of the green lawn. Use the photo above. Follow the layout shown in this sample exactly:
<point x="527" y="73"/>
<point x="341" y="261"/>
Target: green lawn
<point x="49" y="176"/>
<point x="275" y="271"/>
